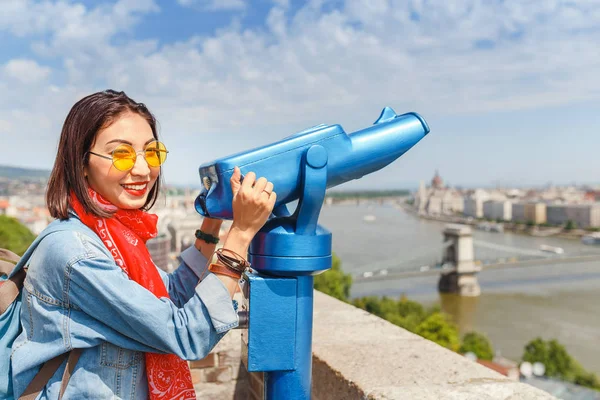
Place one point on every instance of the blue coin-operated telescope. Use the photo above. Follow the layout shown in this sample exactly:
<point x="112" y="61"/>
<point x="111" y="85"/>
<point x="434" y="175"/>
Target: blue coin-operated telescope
<point x="291" y="248"/>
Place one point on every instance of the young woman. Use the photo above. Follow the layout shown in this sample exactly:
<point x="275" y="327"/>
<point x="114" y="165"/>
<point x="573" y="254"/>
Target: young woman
<point x="93" y="286"/>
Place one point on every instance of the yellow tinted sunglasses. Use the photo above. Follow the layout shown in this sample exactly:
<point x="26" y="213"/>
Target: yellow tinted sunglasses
<point x="124" y="156"/>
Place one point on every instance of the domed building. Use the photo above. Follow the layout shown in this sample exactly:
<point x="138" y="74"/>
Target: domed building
<point x="437" y="199"/>
<point x="437" y="182"/>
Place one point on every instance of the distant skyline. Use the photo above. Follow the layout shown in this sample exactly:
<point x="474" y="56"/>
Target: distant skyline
<point x="510" y="89"/>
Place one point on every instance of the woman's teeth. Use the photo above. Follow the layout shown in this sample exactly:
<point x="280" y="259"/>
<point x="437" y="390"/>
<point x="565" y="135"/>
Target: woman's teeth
<point x="135" y="187"/>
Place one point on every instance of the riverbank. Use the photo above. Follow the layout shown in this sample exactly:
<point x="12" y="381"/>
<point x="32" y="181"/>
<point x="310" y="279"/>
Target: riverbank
<point x="512" y="227"/>
<point x="554" y="300"/>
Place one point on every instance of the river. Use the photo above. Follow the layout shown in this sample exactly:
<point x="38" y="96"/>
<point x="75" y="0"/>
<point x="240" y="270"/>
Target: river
<point x="554" y="301"/>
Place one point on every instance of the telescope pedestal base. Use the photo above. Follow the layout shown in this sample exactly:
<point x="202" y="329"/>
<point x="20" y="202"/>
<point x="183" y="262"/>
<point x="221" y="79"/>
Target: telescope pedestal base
<point x="296" y="385"/>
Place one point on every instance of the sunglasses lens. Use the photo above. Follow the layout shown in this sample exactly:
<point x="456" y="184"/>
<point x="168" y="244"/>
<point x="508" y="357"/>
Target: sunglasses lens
<point x="124" y="157"/>
<point x="156" y="154"/>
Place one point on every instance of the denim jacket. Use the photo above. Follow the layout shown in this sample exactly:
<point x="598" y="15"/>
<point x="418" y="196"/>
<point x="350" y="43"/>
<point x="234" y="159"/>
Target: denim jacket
<point x="75" y="296"/>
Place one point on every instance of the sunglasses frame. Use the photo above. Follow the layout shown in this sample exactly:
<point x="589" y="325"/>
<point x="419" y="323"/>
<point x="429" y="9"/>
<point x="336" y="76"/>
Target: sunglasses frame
<point x="112" y="157"/>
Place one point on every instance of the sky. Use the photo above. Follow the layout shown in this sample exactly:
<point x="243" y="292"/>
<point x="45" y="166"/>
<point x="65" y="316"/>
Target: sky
<point x="510" y="88"/>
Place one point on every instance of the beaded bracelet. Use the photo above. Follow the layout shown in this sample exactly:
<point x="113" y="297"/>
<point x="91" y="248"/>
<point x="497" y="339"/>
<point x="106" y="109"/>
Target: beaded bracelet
<point x="208" y="238"/>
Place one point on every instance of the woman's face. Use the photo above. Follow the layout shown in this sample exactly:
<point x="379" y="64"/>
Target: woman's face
<point x="129" y="189"/>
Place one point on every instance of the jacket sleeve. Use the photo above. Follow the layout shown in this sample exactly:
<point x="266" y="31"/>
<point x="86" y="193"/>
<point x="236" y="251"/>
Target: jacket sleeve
<point x="132" y="317"/>
<point x="182" y="282"/>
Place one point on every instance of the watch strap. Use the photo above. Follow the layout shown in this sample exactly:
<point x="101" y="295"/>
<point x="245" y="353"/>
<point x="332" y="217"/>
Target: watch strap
<point x="206" y="237"/>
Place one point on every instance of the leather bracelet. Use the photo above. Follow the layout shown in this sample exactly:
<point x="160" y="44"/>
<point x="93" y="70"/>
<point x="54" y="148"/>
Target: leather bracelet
<point x="232" y="260"/>
<point x="222" y="270"/>
<point x="206" y="237"/>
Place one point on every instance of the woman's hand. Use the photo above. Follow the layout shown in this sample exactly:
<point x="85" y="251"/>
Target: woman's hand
<point x="253" y="202"/>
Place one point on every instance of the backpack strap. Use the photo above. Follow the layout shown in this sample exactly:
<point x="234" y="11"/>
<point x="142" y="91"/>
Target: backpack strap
<point x="6" y="267"/>
<point x="69" y="368"/>
<point x="12" y="287"/>
<point x="9" y="289"/>
<point x="47" y="371"/>
<point x="8" y="259"/>
<point x="9" y="256"/>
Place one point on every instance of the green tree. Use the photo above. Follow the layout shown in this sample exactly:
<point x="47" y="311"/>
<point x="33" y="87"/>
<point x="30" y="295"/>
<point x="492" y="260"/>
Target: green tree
<point x="410" y="313"/>
<point x="334" y="282"/>
<point x="587" y="379"/>
<point x="408" y="307"/>
<point x="570" y="225"/>
<point x="558" y="362"/>
<point x="479" y="344"/>
<point x="438" y="329"/>
<point x="14" y="236"/>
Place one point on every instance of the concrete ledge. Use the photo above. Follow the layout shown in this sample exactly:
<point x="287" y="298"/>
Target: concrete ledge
<point x="357" y="355"/>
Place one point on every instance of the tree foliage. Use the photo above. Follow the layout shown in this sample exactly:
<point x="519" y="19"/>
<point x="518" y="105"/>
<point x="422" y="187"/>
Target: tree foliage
<point x="559" y="364"/>
<point x="553" y="355"/>
<point x="14" y="236"/>
<point x="430" y="323"/>
<point x="570" y="225"/>
<point x="440" y="330"/>
<point x="436" y="326"/>
<point x="478" y="344"/>
<point x="334" y="282"/>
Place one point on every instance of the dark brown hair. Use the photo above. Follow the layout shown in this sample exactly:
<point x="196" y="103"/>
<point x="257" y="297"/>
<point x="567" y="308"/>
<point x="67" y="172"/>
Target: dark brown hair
<point x="88" y="116"/>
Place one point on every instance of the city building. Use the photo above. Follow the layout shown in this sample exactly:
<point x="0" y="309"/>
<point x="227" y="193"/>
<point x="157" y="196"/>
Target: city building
<point x="182" y="232"/>
<point x="583" y="215"/>
<point x="438" y="199"/>
<point x="159" y="249"/>
<point x="4" y="204"/>
<point x="561" y="195"/>
<point x="592" y="195"/>
<point x="452" y="202"/>
<point x="473" y="204"/>
<point x="518" y="212"/>
<point x="437" y="182"/>
<point x="535" y="212"/>
<point x="497" y="210"/>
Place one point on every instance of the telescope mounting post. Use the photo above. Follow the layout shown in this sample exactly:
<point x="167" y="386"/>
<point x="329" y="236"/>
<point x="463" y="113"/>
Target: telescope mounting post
<point x="285" y="255"/>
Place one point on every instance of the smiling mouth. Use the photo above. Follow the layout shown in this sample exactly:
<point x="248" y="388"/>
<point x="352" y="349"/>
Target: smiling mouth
<point x="142" y="186"/>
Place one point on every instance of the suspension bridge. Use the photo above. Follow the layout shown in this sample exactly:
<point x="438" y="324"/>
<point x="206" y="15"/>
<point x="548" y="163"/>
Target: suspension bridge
<point x="455" y="257"/>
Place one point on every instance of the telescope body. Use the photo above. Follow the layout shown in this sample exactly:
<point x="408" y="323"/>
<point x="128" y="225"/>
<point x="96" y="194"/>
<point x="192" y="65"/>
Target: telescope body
<point x="348" y="157"/>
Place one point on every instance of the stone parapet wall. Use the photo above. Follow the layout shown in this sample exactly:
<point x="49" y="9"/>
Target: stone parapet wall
<point x="357" y="355"/>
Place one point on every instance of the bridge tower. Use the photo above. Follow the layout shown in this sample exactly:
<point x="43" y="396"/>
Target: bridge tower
<point x="462" y="278"/>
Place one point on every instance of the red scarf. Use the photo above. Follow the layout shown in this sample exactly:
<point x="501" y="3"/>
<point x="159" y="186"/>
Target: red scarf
<point x="125" y="236"/>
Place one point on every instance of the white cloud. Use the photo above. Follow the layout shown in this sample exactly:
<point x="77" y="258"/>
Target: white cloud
<point x="26" y="71"/>
<point x="338" y="66"/>
<point x="5" y="126"/>
<point x="214" y="5"/>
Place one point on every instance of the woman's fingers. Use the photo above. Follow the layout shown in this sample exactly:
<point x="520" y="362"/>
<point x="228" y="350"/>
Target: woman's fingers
<point x="269" y="187"/>
<point x="236" y="180"/>
<point x="254" y="203"/>
<point x="248" y="181"/>
<point x="272" y="200"/>
<point x="260" y="185"/>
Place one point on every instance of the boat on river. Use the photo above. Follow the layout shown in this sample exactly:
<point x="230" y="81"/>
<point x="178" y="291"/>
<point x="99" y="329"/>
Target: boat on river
<point x="592" y="238"/>
<point x="552" y="249"/>
<point x="490" y="227"/>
